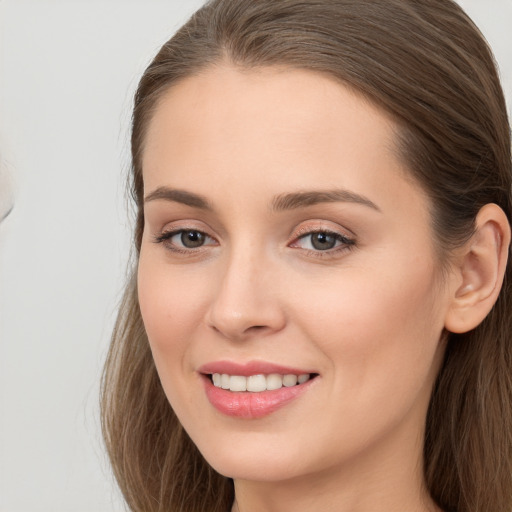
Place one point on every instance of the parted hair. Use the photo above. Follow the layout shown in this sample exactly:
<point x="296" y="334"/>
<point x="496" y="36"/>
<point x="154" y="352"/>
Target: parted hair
<point x="427" y="65"/>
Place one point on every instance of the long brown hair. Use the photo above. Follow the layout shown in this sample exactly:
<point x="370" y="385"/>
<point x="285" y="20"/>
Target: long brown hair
<point x="425" y="63"/>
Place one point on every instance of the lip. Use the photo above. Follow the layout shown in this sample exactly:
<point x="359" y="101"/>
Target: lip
<point x="249" y="405"/>
<point x="250" y="368"/>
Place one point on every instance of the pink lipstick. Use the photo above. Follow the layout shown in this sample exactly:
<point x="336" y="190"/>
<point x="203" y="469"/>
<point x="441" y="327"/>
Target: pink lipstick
<point x="254" y="389"/>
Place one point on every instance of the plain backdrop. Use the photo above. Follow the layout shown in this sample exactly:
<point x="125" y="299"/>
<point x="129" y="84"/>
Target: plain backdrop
<point x="68" y="69"/>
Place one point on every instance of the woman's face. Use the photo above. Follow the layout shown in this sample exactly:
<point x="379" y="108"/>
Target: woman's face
<point x="283" y="236"/>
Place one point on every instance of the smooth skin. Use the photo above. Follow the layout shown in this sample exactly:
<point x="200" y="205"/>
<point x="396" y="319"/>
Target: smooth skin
<point x="345" y="284"/>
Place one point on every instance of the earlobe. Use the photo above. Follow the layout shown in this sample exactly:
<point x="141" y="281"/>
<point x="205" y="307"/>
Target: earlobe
<point x="480" y="270"/>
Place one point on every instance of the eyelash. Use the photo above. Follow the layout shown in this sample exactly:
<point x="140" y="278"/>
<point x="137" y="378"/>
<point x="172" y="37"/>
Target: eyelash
<point x="346" y="243"/>
<point x="165" y="237"/>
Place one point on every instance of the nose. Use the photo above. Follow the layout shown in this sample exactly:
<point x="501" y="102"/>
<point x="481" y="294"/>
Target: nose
<point x="246" y="301"/>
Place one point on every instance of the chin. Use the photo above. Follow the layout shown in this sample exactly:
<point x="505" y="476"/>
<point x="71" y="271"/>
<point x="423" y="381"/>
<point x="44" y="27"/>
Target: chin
<point x="249" y="468"/>
<point x="253" y="459"/>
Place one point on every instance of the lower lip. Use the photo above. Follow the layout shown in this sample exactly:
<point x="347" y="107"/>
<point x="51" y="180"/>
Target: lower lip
<point x="251" y="405"/>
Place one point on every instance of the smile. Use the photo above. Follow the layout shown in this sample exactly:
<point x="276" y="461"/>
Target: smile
<point x="254" y="395"/>
<point x="257" y="383"/>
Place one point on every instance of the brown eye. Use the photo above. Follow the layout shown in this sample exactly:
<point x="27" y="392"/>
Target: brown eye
<point x="185" y="239"/>
<point x="322" y="241"/>
<point x="192" y="239"/>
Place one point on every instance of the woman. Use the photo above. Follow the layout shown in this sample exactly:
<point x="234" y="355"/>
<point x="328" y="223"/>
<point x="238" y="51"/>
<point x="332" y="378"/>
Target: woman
<point x="318" y="316"/>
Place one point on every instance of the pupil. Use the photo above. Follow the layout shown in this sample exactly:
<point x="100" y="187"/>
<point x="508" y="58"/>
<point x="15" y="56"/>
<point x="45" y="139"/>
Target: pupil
<point x="323" y="241"/>
<point x="192" y="239"/>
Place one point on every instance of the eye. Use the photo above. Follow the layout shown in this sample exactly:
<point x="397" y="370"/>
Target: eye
<point x="322" y="241"/>
<point x="183" y="239"/>
<point x="191" y="239"/>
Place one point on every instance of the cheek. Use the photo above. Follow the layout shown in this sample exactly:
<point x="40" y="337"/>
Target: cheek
<point x="378" y="325"/>
<point x="171" y="306"/>
<point x="379" y="334"/>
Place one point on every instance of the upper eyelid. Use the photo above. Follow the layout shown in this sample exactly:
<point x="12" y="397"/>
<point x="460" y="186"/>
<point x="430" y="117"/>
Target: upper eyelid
<point x="321" y="227"/>
<point x="305" y="228"/>
<point x="344" y="239"/>
<point x="185" y="225"/>
<point x="307" y="232"/>
<point x="169" y="233"/>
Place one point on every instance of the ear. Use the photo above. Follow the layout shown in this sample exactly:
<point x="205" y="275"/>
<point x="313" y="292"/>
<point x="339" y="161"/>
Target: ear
<point x="480" y="270"/>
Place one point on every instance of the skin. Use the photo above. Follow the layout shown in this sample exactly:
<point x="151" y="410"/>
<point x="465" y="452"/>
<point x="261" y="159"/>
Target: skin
<point x="368" y="316"/>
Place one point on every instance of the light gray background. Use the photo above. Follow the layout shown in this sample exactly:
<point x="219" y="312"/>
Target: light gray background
<point x="68" y="69"/>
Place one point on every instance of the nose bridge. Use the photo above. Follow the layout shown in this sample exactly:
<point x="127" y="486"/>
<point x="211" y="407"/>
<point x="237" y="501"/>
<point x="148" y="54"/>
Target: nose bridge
<point x="245" y="301"/>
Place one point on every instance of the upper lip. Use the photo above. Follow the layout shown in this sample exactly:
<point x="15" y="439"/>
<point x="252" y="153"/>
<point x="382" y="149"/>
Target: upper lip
<point x="249" y="368"/>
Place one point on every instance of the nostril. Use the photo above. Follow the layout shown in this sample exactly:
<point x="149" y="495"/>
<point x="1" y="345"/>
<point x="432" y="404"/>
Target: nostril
<point x="245" y="318"/>
<point x="256" y="329"/>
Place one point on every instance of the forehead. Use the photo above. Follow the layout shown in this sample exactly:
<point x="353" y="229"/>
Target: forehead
<point x="269" y="129"/>
<point x="300" y="102"/>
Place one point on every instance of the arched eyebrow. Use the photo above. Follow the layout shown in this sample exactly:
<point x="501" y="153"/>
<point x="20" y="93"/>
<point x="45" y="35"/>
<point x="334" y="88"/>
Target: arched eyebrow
<point x="281" y="202"/>
<point x="301" y="199"/>
<point x="179" y="196"/>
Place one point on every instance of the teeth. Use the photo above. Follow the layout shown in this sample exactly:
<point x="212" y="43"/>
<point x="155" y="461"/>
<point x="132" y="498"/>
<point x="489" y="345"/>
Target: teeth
<point x="224" y="381"/>
<point x="303" y="378"/>
<point x="289" y="380"/>
<point x="274" y="381"/>
<point x="237" y="383"/>
<point x="257" y="383"/>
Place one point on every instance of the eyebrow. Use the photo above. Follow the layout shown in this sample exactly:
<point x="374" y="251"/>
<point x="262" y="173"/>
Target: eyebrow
<point x="281" y="202"/>
<point x="179" y="196"/>
<point x="302" y="199"/>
